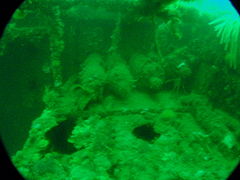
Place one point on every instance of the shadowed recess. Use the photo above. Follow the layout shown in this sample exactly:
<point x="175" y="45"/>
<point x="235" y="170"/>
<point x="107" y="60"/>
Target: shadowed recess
<point x="145" y="132"/>
<point x="58" y="137"/>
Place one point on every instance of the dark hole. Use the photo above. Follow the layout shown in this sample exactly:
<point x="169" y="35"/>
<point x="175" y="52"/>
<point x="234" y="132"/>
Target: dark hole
<point x="145" y="132"/>
<point x="77" y="88"/>
<point x="58" y="137"/>
<point x="111" y="170"/>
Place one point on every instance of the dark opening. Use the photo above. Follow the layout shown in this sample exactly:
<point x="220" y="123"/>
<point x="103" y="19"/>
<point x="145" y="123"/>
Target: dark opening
<point x="59" y="135"/>
<point x="111" y="170"/>
<point x="145" y="132"/>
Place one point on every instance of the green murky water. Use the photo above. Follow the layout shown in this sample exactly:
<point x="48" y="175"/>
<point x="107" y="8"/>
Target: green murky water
<point x="122" y="89"/>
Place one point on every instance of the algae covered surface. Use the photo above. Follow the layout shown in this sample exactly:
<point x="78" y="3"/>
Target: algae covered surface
<point x="125" y="90"/>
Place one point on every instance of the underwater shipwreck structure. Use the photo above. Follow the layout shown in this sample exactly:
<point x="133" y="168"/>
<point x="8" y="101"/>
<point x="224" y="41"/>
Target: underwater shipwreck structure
<point x="129" y="89"/>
